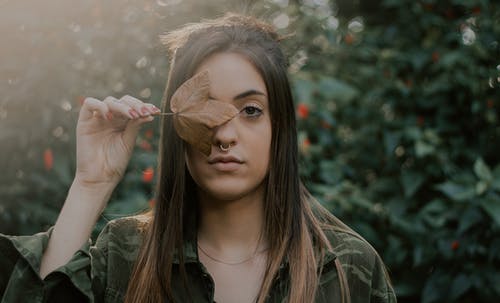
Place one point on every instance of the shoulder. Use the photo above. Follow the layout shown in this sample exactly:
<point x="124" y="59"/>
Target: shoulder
<point x="128" y="225"/>
<point x="361" y="265"/>
<point x="114" y="255"/>
<point x="123" y="235"/>
<point x="350" y="247"/>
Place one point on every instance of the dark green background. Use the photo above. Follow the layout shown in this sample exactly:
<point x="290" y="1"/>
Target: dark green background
<point x="399" y="106"/>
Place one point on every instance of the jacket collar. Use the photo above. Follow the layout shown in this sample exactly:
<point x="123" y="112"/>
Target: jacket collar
<point x="190" y="245"/>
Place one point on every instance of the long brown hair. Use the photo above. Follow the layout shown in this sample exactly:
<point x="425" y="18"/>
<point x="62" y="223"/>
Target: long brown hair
<point x="294" y="221"/>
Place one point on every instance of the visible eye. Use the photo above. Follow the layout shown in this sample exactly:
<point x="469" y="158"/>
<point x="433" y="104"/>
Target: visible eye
<point x="251" y="111"/>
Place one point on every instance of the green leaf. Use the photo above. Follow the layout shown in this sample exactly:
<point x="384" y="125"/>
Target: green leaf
<point x="431" y="136"/>
<point x="456" y="192"/>
<point x="62" y="168"/>
<point x="330" y="172"/>
<point x="493" y="278"/>
<point x="391" y="141"/>
<point x="482" y="170"/>
<point x="418" y="58"/>
<point x="461" y="284"/>
<point x="412" y="181"/>
<point x="435" y="287"/>
<point x="491" y="205"/>
<point x="481" y="187"/>
<point x="469" y="218"/>
<point x="336" y="89"/>
<point x="435" y="206"/>
<point x="496" y="184"/>
<point x="423" y="149"/>
<point x="394" y="249"/>
<point x="496" y="178"/>
<point x="303" y="89"/>
<point x="413" y="133"/>
<point x="496" y="172"/>
<point x="450" y="59"/>
<point x="432" y="213"/>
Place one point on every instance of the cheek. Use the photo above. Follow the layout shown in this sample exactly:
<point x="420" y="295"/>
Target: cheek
<point x="261" y="168"/>
<point x="260" y="148"/>
<point x="194" y="163"/>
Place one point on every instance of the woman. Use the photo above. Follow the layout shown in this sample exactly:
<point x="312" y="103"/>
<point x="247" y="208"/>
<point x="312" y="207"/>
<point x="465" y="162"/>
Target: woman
<point x="231" y="224"/>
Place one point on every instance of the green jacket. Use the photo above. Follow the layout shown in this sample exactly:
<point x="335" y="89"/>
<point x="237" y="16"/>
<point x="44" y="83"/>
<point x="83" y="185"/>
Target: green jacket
<point x="100" y="272"/>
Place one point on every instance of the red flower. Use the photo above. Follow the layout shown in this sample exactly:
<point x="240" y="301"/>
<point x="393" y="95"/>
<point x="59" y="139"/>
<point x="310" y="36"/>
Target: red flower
<point x="306" y="143"/>
<point x="48" y="159"/>
<point x="420" y="120"/>
<point x="147" y="175"/>
<point x="145" y="145"/>
<point x="148" y="133"/>
<point x="489" y="103"/>
<point x="450" y="13"/>
<point x="409" y="83"/>
<point x="428" y="6"/>
<point x="455" y="245"/>
<point x="325" y="125"/>
<point x="349" y="39"/>
<point x="435" y="56"/>
<point x="476" y="10"/>
<point x="302" y="111"/>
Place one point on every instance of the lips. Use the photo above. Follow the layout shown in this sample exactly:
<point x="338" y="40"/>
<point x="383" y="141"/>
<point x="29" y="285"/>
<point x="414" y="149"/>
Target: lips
<point x="224" y="159"/>
<point x="225" y="163"/>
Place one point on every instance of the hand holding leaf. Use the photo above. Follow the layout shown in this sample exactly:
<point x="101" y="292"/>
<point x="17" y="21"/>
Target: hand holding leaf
<point x="195" y="114"/>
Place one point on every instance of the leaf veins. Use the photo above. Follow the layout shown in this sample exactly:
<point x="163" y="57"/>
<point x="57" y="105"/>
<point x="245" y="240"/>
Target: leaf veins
<point x="196" y="114"/>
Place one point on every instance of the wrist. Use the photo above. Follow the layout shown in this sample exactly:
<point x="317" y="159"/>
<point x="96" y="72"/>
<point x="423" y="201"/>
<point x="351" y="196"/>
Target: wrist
<point x="91" y="193"/>
<point x="93" y="186"/>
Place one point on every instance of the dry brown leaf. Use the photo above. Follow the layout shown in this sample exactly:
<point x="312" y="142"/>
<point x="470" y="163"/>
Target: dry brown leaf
<point x="196" y="115"/>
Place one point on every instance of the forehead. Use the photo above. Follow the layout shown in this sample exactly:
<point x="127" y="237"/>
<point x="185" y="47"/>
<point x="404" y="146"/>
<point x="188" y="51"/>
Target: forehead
<point x="230" y="75"/>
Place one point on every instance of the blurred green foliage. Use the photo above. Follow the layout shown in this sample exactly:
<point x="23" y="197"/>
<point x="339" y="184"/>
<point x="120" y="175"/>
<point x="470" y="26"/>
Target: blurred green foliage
<point x="397" y="100"/>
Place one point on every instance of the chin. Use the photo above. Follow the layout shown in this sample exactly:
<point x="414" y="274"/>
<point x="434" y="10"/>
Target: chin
<point x="231" y="191"/>
<point x="226" y="196"/>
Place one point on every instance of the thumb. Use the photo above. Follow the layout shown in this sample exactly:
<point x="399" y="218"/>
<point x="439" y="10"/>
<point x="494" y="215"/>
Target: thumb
<point x="132" y="129"/>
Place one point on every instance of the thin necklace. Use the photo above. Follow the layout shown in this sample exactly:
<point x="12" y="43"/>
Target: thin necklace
<point x="255" y="253"/>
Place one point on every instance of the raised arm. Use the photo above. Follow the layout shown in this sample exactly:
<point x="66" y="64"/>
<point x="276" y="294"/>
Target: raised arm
<point x="106" y="134"/>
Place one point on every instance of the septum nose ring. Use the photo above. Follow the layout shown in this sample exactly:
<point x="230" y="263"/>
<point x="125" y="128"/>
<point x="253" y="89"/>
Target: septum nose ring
<point x="225" y="148"/>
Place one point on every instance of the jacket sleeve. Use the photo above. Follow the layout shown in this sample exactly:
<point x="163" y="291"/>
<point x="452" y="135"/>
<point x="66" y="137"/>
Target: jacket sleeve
<point x="381" y="288"/>
<point x="82" y="279"/>
<point x="362" y="268"/>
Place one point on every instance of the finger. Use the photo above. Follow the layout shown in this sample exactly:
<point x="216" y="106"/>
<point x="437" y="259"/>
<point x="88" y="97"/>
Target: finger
<point x="117" y="107"/>
<point x="133" y="103"/>
<point x="93" y="107"/>
<point x="145" y="109"/>
<point x="132" y="129"/>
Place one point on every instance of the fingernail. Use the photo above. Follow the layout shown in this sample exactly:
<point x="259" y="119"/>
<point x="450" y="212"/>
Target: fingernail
<point x="155" y="109"/>
<point x="145" y="111"/>
<point x="133" y="113"/>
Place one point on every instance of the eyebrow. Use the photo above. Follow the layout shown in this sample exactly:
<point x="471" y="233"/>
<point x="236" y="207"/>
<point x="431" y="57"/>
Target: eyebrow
<point x="245" y="94"/>
<point x="249" y="93"/>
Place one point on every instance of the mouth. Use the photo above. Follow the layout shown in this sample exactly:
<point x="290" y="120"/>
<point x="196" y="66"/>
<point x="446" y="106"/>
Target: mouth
<point x="225" y="163"/>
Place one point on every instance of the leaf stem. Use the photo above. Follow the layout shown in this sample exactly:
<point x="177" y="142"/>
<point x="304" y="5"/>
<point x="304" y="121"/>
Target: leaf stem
<point x="163" y="114"/>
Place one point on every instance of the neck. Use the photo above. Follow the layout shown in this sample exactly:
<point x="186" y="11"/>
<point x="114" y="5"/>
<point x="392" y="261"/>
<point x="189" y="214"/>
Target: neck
<point x="232" y="230"/>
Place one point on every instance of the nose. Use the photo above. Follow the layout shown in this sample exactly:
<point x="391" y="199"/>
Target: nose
<point x="225" y="134"/>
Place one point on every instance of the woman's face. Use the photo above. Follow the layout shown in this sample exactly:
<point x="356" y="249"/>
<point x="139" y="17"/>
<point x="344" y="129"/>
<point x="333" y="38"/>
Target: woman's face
<point x="240" y="171"/>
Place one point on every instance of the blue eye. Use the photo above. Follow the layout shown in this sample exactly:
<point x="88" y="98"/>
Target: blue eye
<point x="251" y="111"/>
